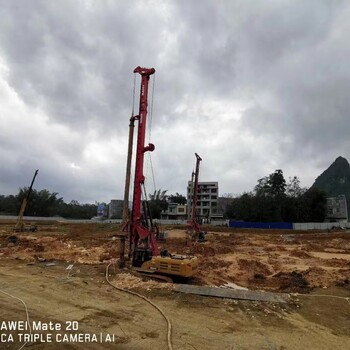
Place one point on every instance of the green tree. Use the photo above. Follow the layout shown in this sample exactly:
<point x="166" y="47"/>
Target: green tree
<point x="262" y="189"/>
<point x="277" y="184"/>
<point x="75" y="210"/>
<point x="157" y="203"/>
<point x="272" y="185"/>
<point x="269" y="200"/>
<point x="40" y="203"/>
<point x="314" y="204"/>
<point x="177" y="198"/>
<point x="293" y="202"/>
<point x="44" y="203"/>
<point x="158" y="195"/>
<point x="293" y="188"/>
<point x="241" y="208"/>
<point x="275" y="200"/>
<point x="9" y="205"/>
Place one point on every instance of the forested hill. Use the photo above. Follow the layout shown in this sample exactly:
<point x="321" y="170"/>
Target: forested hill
<point x="336" y="179"/>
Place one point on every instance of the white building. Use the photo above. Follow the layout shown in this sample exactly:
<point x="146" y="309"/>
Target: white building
<point x="175" y="211"/>
<point x="337" y="210"/>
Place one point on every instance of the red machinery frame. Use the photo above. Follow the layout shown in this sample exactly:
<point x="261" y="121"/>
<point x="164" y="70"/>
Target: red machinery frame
<point x="193" y="224"/>
<point x="138" y="232"/>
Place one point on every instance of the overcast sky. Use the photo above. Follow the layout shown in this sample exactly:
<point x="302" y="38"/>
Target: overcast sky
<point x="251" y="86"/>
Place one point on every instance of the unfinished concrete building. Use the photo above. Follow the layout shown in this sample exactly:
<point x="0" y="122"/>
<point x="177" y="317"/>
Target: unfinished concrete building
<point x="115" y="209"/>
<point x="207" y="204"/>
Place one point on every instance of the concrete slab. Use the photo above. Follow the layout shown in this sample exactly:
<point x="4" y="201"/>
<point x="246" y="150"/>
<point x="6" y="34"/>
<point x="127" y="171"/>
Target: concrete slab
<point x="232" y="293"/>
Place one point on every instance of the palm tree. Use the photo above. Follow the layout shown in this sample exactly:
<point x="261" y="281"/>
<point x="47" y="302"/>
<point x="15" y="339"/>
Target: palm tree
<point x="158" y="195"/>
<point x="157" y="203"/>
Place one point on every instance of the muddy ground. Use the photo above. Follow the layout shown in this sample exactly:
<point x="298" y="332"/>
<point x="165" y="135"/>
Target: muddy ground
<point x="34" y="268"/>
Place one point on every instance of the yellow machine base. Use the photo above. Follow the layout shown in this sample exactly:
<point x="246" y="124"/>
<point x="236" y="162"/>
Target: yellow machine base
<point x="176" y="265"/>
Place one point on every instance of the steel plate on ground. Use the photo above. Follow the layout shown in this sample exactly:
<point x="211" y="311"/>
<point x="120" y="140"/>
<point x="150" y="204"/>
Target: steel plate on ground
<point x="232" y="293"/>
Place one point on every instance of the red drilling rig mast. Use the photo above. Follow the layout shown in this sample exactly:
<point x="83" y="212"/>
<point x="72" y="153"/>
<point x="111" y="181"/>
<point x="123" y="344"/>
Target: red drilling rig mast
<point x="193" y="223"/>
<point x="142" y="238"/>
<point x="143" y="248"/>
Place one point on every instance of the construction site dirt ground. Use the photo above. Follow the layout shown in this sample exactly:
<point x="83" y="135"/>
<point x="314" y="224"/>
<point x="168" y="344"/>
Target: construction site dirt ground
<point x="59" y="273"/>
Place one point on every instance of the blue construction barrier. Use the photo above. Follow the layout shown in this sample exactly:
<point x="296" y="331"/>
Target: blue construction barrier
<point x="265" y="225"/>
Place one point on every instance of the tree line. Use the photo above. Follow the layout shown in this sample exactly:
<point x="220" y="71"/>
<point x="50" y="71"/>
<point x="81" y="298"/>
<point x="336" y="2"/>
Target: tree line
<point x="44" y="203"/>
<point x="159" y="200"/>
<point x="274" y="199"/>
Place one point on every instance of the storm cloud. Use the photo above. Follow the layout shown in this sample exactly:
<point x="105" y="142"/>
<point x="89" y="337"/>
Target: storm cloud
<point x="251" y="86"/>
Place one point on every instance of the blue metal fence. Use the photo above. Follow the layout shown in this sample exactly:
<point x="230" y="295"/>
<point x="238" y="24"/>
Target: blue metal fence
<point x="266" y="225"/>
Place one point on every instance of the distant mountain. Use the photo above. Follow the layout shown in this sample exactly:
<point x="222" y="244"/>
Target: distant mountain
<point x="336" y="179"/>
